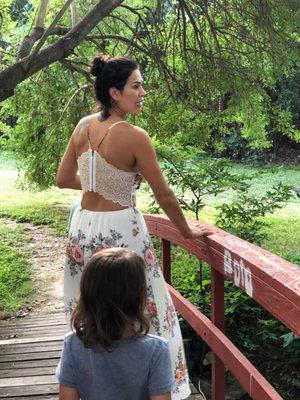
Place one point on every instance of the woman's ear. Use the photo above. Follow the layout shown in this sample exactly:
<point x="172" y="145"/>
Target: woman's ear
<point x="114" y="93"/>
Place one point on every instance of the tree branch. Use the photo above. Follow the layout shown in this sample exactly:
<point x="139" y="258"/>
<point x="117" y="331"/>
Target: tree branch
<point x="49" y="30"/>
<point x="122" y="39"/>
<point x="84" y="87"/>
<point x="60" y="30"/>
<point x="62" y="48"/>
<point x="42" y="13"/>
<point x="36" y="33"/>
<point x="74" y="14"/>
<point x="71" y="65"/>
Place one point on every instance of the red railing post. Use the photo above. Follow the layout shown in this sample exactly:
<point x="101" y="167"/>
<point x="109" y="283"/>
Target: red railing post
<point x="217" y="318"/>
<point x="166" y="260"/>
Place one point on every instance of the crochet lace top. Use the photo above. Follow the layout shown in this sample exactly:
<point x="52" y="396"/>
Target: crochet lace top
<point x="99" y="176"/>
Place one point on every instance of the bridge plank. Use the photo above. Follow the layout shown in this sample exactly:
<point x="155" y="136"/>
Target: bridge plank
<point x="27" y="381"/>
<point x="34" y="319"/>
<point x="36" y="397"/>
<point x="24" y="348"/>
<point x="29" y="325"/>
<point x="32" y="340"/>
<point x="8" y="392"/>
<point x="18" y="372"/>
<point x="29" y="356"/>
<point x="29" y="329"/>
<point x="28" y="364"/>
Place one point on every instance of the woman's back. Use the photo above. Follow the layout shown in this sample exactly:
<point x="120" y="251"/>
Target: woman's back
<point x="136" y="369"/>
<point x="106" y="164"/>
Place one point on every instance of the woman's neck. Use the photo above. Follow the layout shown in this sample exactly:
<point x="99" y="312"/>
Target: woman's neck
<point x="117" y="113"/>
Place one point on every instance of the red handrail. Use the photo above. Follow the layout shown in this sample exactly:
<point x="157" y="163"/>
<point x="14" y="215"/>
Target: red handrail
<point x="267" y="278"/>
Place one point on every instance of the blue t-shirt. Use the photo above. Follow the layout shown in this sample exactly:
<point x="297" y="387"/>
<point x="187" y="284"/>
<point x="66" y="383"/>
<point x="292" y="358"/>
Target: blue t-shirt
<point x="136" y="369"/>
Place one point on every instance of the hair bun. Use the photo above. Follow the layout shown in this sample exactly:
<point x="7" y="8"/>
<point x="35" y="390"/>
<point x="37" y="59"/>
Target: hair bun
<point x="98" y="64"/>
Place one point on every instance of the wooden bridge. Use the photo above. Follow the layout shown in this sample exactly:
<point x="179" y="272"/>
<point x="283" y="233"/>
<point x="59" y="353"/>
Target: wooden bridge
<point x="30" y="347"/>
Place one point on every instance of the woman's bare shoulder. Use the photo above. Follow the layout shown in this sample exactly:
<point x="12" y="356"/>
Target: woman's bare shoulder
<point x="132" y="132"/>
<point x="82" y="124"/>
<point x="79" y="135"/>
<point x="129" y="134"/>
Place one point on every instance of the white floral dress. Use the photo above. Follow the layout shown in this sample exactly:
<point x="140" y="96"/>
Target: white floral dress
<point x="91" y="231"/>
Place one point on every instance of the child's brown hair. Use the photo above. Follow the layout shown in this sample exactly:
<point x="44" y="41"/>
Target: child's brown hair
<point x="112" y="298"/>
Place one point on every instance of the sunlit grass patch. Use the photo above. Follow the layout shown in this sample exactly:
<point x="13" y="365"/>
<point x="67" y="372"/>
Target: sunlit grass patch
<point x="15" y="284"/>
<point x="49" y="207"/>
<point x="283" y="236"/>
<point x="38" y="212"/>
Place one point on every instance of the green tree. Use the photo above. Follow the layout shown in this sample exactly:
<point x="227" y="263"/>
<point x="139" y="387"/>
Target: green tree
<point x="208" y="66"/>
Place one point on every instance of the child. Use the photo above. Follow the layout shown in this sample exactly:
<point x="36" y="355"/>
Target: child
<point x="111" y="356"/>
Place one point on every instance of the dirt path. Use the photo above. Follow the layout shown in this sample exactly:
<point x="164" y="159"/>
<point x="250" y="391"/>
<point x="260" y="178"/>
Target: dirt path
<point x="46" y="254"/>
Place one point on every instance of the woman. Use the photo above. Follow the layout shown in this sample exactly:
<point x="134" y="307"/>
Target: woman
<point x="112" y="156"/>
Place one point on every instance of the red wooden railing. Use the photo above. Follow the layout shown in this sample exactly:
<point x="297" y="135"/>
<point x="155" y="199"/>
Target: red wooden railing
<point x="268" y="279"/>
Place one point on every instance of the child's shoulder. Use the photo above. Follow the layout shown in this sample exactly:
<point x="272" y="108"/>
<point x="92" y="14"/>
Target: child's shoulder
<point x="155" y="341"/>
<point x="70" y="336"/>
<point x="155" y="347"/>
<point x="72" y="339"/>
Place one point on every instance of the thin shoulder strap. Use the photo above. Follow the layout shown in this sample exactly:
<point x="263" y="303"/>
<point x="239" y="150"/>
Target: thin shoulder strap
<point x="88" y="133"/>
<point x="118" y="122"/>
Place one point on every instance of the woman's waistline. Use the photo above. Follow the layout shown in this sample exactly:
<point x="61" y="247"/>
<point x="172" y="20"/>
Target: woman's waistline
<point x="78" y="207"/>
<point x="112" y="212"/>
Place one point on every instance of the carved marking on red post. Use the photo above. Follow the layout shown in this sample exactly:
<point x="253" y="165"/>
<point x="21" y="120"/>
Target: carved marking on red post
<point x="241" y="274"/>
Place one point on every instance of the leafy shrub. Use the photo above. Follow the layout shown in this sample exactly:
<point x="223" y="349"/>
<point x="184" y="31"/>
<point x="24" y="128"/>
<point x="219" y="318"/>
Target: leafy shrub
<point x="237" y="148"/>
<point x="243" y="217"/>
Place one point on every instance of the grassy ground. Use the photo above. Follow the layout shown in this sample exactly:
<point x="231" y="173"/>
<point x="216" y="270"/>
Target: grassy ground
<point x="14" y="269"/>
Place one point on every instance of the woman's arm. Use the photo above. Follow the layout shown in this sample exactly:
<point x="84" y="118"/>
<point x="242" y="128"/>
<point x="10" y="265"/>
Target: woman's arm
<point x="66" y="176"/>
<point x="148" y="165"/>
<point x="67" y="393"/>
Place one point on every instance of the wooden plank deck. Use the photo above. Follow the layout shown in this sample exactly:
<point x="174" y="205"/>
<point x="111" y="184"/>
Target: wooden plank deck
<point x="29" y="353"/>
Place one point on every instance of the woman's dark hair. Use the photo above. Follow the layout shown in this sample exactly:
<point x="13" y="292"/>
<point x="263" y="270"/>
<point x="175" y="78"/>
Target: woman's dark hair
<point x="110" y="72"/>
<point x="112" y="299"/>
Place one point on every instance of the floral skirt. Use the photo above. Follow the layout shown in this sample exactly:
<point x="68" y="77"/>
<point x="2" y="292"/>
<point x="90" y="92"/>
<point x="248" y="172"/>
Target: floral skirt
<point x="91" y="231"/>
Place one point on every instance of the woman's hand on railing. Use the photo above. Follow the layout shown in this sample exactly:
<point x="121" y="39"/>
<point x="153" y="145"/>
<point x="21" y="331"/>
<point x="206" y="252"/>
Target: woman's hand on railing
<point x="198" y="231"/>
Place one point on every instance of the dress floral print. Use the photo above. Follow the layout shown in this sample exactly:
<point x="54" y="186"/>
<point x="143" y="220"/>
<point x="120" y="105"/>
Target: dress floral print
<point x="150" y="259"/>
<point x="90" y="232"/>
<point x="75" y="253"/>
<point x="170" y="317"/>
<point x="151" y="311"/>
<point x="180" y="372"/>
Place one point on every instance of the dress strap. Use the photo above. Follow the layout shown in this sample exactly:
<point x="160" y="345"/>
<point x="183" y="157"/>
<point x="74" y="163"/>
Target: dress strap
<point x="88" y="134"/>
<point x="118" y="122"/>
